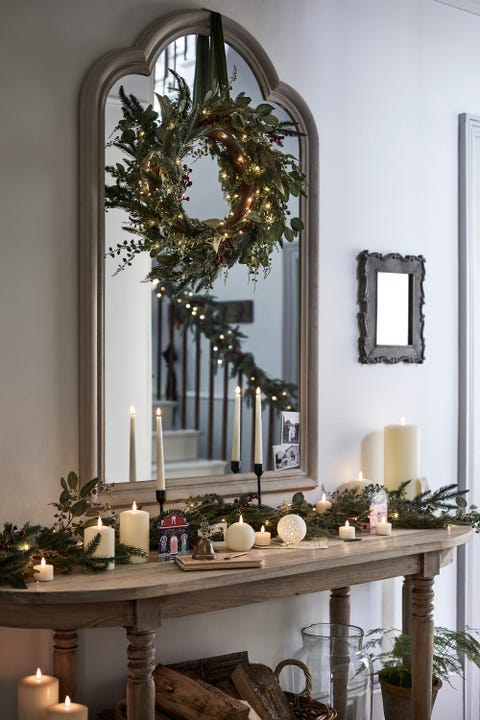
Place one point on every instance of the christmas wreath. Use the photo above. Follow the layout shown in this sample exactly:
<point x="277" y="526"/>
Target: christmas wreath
<point x="153" y="182"/>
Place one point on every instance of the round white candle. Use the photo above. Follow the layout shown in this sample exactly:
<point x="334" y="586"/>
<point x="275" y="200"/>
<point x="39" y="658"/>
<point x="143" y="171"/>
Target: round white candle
<point x="402" y="457"/>
<point x="321" y="506"/>
<point x="132" y="455"/>
<point x="67" y="709"/>
<point x="347" y="531"/>
<point x="236" y="426"/>
<point x="159" y="450"/>
<point x="135" y="531"/>
<point x="258" y="453"/>
<point x="43" y="572"/>
<point x="383" y="527"/>
<point x="263" y="537"/>
<point x="35" y="693"/>
<point x="106" y="546"/>
<point x="240" y="536"/>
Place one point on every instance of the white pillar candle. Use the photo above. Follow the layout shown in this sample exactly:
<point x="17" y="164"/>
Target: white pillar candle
<point x="159" y="450"/>
<point x="402" y="457"/>
<point x="43" y="572"/>
<point x="372" y="457"/>
<point x="132" y="455"/>
<point x="240" y="536"/>
<point x="236" y="426"/>
<point x="35" y="693"/>
<point x="135" y="531"/>
<point x="347" y="531"/>
<point x="383" y="527"/>
<point x="67" y="709"/>
<point x="321" y="506"/>
<point x="263" y="537"/>
<point x="258" y="453"/>
<point x="106" y="546"/>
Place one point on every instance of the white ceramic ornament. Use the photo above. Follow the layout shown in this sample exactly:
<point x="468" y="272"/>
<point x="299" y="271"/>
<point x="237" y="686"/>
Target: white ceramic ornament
<point x="291" y="529"/>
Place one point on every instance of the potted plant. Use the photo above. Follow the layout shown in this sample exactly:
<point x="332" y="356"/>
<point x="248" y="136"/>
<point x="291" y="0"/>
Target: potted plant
<point x="450" y="647"/>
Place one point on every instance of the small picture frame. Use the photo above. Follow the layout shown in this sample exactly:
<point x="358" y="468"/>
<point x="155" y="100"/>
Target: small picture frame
<point x="286" y="456"/>
<point x="216" y="533"/>
<point x="290" y="431"/>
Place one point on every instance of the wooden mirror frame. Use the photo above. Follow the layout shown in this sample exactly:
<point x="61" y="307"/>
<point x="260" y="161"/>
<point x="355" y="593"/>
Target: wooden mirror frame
<point x="140" y="59"/>
<point x="369" y="264"/>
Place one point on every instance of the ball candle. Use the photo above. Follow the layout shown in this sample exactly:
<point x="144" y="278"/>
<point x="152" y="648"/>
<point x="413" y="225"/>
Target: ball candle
<point x="240" y="535"/>
<point x="106" y="546"/>
<point x="135" y="531"/>
<point x="35" y="693"/>
<point x="43" y="572"/>
<point x="160" y="485"/>
<point x="383" y="527"/>
<point x="132" y="455"/>
<point x="258" y="452"/>
<point x="402" y="460"/>
<point x="68" y="709"/>
<point x="263" y="537"/>
<point x="236" y="426"/>
<point x="347" y="531"/>
<point x="321" y="506"/>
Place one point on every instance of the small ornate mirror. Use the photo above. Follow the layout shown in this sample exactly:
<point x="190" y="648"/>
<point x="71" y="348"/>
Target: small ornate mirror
<point x="390" y="298"/>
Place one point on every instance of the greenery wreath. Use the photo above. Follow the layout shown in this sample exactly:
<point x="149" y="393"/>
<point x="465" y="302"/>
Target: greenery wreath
<point x="152" y="184"/>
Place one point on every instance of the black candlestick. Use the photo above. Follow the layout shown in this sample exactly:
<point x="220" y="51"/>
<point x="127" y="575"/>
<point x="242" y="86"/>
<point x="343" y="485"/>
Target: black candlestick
<point x="161" y="496"/>
<point x="258" y="469"/>
<point x="235" y="466"/>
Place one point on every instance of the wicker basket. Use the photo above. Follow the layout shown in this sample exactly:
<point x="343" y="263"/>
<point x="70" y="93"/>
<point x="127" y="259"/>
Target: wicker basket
<point x="302" y="704"/>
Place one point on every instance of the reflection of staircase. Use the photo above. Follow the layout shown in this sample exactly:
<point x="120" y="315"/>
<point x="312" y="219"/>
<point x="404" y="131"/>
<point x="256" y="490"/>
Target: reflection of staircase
<point x="180" y="448"/>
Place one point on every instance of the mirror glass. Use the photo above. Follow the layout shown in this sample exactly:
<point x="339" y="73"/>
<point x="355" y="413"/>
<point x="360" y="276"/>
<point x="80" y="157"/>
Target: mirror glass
<point x="150" y="362"/>
<point x="392" y="308"/>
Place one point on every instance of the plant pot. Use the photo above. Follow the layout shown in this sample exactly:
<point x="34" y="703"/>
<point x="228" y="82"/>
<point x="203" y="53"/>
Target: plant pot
<point x="397" y="701"/>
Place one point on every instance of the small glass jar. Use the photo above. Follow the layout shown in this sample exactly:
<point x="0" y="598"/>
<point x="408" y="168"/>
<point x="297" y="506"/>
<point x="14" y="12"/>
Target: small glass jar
<point x="341" y="672"/>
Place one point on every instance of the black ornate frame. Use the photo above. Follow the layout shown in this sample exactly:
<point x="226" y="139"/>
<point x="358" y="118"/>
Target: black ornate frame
<point x="368" y="265"/>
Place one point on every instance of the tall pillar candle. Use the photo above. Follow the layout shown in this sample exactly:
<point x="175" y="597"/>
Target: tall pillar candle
<point x="402" y="459"/>
<point x="258" y="452"/>
<point x="106" y="546"/>
<point x="135" y="531"/>
<point x="236" y="426"/>
<point x="372" y="461"/>
<point x="68" y="709"/>
<point x="159" y="451"/>
<point x="35" y="693"/>
<point x="132" y="455"/>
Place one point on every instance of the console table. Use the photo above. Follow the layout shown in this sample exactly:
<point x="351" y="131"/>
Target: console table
<point x="138" y="597"/>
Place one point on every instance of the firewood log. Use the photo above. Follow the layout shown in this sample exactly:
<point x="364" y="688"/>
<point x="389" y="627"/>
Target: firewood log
<point x="258" y="685"/>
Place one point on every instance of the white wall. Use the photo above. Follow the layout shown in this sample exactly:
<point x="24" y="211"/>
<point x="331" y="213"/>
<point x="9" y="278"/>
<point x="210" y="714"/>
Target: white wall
<point x="386" y="80"/>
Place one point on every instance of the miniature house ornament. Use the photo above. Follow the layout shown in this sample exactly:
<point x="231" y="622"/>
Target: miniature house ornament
<point x="173" y="536"/>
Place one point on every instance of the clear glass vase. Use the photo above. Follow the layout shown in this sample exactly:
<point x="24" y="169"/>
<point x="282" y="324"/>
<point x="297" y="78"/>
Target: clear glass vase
<point x="341" y="672"/>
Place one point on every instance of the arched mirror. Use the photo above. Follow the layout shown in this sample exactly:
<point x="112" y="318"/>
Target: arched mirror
<point x="131" y="352"/>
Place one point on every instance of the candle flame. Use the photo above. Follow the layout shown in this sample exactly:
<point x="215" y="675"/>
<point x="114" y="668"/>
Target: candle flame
<point x="38" y="674"/>
<point x="67" y="701"/>
<point x="258" y="391"/>
<point x="240" y="519"/>
<point x="263" y="529"/>
<point x="382" y="519"/>
<point x="158" y="412"/>
<point x="238" y="390"/>
<point x="99" y="523"/>
<point x="132" y="410"/>
<point x="360" y="476"/>
<point x="324" y="497"/>
<point x="42" y="562"/>
<point x="403" y="421"/>
<point x="134" y="505"/>
<point x="347" y="524"/>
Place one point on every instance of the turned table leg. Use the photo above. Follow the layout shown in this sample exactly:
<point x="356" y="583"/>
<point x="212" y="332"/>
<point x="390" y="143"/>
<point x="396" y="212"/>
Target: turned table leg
<point x="140" y="685"/>
<point x="422" y="646"/>
<point x="65" y="662"/>
<point x="407" y="605"/>
<point x="340" y="606"/>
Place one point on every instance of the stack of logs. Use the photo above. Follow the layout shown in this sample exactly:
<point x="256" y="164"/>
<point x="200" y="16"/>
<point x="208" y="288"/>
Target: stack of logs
<point x="227" y="687"/>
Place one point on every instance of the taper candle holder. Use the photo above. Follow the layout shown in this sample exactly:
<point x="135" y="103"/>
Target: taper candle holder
<point x="161" y="496"/>
<point x="258" y="470"/>
<point x="235" y="466"/>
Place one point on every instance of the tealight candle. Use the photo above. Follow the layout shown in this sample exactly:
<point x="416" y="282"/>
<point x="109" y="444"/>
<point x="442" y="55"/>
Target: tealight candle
<point x="384" y="527"/>
<point x="68" y="709"/>
<point x="262" y="537"/>
<point x="321" y="506"/>
<point x="35" y="693"/>
<point x="240" y="536"/>
<point x="135" y="531"/>
<point x="347" y="531"/>
<point x="43" y="572"/>
<point x="106" y="546"/>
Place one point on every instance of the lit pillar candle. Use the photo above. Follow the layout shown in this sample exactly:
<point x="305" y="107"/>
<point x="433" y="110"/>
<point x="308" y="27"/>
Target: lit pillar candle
<point x="383" y="527"/>
<point x="240" y="536"/>
<point x="135" y="531"/>
<point x="321" y="506"/>
<point x="67" y="709"/>
<point x="258" y="453"/>
<point x="347" y="531"/>
<point x="43" y="572"/>
<point x="106" y="546"/>
<point x="35" y="693"/>
<point x="402" y="457"/>
<point x="159" y="450"/>
<point x="236" y="426"/>
<point x="132" y="456"/>
<point x="263" y="537"/>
